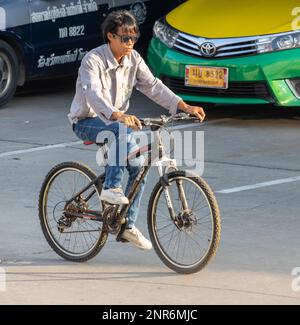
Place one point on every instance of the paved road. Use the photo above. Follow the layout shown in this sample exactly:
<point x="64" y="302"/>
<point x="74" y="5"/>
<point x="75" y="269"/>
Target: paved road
<point x="260" y="243"/>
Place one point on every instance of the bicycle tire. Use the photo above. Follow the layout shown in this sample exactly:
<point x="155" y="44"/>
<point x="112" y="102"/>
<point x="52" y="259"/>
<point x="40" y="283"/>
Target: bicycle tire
<point x="54" y="173"/>
<point x="215" y="214"/>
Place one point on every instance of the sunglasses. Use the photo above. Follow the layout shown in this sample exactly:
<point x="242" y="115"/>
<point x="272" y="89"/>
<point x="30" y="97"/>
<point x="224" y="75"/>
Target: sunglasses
<point x="127" y="38"/>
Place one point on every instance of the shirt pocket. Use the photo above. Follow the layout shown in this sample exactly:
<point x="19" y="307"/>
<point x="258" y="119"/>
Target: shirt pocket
<point x="128" y="84"/>
<point x="106" y="86"/>
<point x="106" y="80"/>
<point x="130" y="79"/>
<point x="127" y="92"/>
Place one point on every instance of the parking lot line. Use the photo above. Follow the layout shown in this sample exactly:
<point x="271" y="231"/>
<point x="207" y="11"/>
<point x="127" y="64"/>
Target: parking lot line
<point x="67" y="144"/>
<point x="259" y="185"/>
<point x="48" y="147"/>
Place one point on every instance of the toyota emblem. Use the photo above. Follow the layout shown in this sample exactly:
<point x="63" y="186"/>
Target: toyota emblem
<point x="208" y="49"/>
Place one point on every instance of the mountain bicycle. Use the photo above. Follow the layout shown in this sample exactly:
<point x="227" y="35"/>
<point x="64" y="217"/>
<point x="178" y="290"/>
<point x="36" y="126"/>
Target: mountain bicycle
<point x="183" y="216"/>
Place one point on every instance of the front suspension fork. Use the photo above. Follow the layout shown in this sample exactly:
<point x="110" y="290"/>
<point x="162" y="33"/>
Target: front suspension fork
<point x="165" y="184"/>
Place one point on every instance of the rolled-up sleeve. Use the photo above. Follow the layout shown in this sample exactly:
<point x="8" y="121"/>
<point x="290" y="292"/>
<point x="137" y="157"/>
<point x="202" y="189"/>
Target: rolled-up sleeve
<point x="90" y="71"/>
<point x="154" y="88"/>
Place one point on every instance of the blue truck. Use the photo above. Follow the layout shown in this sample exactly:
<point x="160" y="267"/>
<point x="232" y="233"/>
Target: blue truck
<point x="42" y="39"/>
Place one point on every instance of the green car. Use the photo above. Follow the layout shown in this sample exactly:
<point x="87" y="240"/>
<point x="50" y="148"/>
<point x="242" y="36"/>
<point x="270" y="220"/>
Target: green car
<point x="230" y="52"/>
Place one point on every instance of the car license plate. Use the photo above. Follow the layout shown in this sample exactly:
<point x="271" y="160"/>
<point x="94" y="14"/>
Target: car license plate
<point x="207" y="77"/>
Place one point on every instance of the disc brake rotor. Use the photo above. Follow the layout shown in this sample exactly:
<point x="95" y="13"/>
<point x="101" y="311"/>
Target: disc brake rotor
<point x="186" y="221"/>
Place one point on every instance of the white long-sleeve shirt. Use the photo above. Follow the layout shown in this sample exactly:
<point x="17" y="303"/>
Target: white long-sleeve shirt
<point x="104" y="86"/>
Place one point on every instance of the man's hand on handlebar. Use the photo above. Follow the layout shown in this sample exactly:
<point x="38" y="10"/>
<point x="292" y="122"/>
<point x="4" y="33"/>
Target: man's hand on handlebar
<point x="192" y="110"/>
<point x="133" y="122"/>
<point x="130" y="121"/>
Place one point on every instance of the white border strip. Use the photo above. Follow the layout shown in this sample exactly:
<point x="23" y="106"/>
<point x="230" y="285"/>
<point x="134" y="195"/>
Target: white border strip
<point x="260" y="185"/>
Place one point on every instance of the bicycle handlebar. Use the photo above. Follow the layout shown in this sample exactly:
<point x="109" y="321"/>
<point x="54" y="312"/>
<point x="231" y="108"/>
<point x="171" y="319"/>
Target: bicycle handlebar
<point x="164" y="120"/>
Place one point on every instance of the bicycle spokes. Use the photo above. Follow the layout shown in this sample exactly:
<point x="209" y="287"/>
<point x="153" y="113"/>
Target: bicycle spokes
<point x="187" y="238"/>
<point x="72" y="224"/>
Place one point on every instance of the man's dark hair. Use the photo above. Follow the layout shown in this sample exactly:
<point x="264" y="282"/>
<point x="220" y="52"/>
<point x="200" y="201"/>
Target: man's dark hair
<point x="119" y="18"/>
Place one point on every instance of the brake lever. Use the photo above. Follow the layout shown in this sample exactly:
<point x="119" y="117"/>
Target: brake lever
<point x="183" y="115"/>
<point x="195" y="119"/>
<point x="145" y="121"/>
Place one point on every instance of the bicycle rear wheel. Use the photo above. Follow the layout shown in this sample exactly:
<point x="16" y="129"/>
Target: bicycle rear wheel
<point x="75" y="239"/>
<point x="189" y="243"/>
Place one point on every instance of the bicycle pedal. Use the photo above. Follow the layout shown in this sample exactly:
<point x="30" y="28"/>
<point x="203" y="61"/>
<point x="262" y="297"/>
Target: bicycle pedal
<point x="122" y="240"/>
<point x="119" y="235"/>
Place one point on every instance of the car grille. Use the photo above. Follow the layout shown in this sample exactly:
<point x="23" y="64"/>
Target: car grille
<point x="227" y="47"/>
<point x="236" y="89"/>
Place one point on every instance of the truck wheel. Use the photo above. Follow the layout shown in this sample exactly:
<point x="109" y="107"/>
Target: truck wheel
<point x="9" y="71"/>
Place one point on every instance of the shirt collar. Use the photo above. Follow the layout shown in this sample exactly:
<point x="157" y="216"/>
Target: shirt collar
<point x="112" y="62"/>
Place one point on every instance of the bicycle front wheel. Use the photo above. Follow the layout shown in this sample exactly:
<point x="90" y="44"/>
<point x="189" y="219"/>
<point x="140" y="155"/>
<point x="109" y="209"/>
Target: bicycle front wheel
<point x="187" y="243"/>
<point x="75" y="239"/>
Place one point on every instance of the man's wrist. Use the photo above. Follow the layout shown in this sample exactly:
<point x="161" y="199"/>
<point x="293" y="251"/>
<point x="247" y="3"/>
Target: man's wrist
<point x="116" y="115"/>
<point x="183" y="106"/>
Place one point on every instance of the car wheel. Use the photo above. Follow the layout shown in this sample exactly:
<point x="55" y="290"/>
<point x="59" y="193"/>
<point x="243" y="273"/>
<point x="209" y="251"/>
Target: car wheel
<point x="9" y="70"/>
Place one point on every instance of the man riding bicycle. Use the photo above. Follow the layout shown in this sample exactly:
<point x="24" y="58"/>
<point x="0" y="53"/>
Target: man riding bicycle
<point x="104" y="85"/>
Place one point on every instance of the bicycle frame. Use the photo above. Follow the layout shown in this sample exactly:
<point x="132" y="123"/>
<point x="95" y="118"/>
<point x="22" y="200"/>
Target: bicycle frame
<point x="164" y="165"/>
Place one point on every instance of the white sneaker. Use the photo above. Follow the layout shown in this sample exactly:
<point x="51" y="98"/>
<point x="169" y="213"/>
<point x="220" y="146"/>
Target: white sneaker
<point x="114" y="196"/>
<point x="136" y="238"/>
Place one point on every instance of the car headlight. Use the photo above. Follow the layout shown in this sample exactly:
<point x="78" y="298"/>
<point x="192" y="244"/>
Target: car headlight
<point x="277" y="43"/>
<point x="165" y="33"/>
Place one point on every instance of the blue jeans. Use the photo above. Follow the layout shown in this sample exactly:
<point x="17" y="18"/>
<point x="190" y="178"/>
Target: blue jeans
<point x="88" y="130"/>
